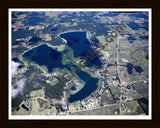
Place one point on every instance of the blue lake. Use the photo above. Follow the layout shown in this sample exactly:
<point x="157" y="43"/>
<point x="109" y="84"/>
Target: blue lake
<point x="89" y="87"/>
<point x="77" y="41"/>
<point x="81" y="47"/>
<point x="44" y="55"/>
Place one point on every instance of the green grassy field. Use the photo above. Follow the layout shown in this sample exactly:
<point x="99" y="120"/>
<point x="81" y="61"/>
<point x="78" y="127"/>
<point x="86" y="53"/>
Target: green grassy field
<point x="115" y="91"/>
<point x="133" y="107"/>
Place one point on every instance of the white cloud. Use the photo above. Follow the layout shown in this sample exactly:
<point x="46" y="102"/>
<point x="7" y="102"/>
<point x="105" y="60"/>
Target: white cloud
<point x="14" y="66"/>
<point x="20" y="85"/>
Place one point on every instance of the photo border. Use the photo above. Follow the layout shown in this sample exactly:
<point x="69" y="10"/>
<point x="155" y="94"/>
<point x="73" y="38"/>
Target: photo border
<point x="153" y="4"/>
<point x="82" y="117"/>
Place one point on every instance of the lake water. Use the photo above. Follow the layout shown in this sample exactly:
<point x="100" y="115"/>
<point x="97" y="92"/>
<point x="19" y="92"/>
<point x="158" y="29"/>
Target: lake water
<point x="89" y="87"/>
<point x="81" y="46"/>
<point x="77" y="41"/>
<point x="44" y="55"/>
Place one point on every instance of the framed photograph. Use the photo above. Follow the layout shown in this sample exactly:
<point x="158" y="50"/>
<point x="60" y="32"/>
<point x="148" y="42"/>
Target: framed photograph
<point x="80" y="64"/>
